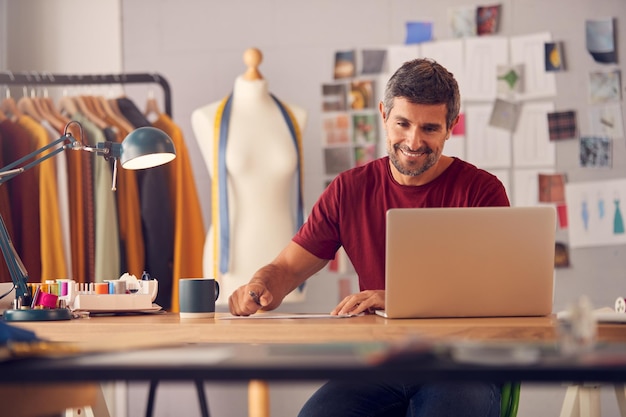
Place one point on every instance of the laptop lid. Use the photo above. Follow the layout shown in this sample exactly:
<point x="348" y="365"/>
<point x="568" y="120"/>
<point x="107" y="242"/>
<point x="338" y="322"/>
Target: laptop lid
<point x="470" y="262"/>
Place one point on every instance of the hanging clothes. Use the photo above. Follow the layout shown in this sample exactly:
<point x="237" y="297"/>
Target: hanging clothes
<point x="189" y="231"/>
<point x="17" y="143"/>
<point x="5" y="211"/>
<point x="52" y="257"/>
<point x="107" y="247"/>
<point x="157" y="216"/>
<point x="78" y="195"/>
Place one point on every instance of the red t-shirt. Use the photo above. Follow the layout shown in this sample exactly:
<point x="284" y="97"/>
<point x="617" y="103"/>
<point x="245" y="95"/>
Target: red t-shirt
<point x="351" y="212"/>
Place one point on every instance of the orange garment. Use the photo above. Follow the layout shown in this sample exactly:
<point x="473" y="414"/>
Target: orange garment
<point x="52" y="258"/>
<point x="129" y="215"/>
<point x="189" y="233"/>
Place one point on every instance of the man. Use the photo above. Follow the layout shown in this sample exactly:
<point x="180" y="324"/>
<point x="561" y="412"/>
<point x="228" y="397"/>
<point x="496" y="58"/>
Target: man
<point x="419" y="110"/>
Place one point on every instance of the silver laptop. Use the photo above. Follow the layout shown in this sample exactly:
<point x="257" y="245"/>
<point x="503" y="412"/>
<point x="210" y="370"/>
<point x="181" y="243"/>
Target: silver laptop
<point x="469" y="262"/>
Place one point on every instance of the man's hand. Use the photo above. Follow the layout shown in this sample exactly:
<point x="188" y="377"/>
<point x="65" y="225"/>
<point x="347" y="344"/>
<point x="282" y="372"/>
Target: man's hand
<point x="248" y="299"/>
<point x="363" y="302"/>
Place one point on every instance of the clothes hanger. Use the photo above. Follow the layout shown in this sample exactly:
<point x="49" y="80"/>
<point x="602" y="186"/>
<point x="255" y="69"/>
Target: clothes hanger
<point x="52" y="110"/>
<point x="8" y="104"/>
<point x="26" y="105"/>
<point x="67" y="105"/>
<point x="152" y="109"/>
<point x="112" y="111"/>
<point x="152" y="106"/>
<point x="44" y="110"/>
<point x="116" y="108"/>
<point x="83" y="107"/>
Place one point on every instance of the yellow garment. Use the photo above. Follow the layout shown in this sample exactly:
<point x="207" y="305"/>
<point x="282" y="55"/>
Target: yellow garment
<point x="52" y="259"/>
<point x="189" y="233"/>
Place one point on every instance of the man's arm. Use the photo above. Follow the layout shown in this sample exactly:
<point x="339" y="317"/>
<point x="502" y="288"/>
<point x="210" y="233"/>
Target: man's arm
<point x="270" y="284"/>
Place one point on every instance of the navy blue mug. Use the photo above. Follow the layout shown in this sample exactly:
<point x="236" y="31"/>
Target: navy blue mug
<point x="196" y="297"/>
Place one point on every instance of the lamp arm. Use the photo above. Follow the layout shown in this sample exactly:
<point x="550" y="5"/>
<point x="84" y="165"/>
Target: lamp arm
<point x="14" y="169"/>
<point x="18" y="272"/>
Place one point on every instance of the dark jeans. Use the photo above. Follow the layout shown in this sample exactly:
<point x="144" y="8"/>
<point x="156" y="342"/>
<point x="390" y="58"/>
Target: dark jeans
<point x="442" y="399"/>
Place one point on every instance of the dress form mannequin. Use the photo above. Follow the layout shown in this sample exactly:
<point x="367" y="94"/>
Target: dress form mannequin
<point x="261" y="163"/>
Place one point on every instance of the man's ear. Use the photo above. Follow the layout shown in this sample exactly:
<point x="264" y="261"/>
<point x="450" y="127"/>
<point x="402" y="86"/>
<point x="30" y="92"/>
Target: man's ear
<point x="454" y="123"/>
<point x="452" y="126"/>
<point x="381" y="110"/>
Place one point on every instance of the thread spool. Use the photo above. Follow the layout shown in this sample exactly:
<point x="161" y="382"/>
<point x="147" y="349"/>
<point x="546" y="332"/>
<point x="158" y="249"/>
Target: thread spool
<point x="102" y="288"/>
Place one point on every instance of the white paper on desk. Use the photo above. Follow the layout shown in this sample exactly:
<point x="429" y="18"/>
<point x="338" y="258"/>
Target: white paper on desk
<point x="602" y="315"/>
<point x="289" y="316"/>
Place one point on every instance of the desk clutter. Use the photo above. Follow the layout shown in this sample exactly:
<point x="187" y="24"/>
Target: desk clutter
<point x="126" y="294"/>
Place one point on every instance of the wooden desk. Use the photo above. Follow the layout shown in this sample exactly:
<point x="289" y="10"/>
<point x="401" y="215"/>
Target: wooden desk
<point x="168" y="328"/>
<point x="121" y="332"/>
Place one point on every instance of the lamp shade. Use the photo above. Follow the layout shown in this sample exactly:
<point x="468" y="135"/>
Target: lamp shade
<point x="146" y="147"/>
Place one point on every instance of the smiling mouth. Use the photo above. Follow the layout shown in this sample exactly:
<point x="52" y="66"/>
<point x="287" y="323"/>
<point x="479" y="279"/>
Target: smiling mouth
<point x="414" y="154"/>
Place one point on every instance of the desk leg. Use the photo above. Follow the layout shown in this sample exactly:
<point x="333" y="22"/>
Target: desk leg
<point x="571" y="407"/>
<point x="620" y="394"/>
<point x="581" y="401"/>
<point x="258" y="399"/>
<point x="98" y="409"/>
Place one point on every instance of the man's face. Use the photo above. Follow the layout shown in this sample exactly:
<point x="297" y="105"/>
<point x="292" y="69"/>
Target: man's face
<point x="416" y="134"/>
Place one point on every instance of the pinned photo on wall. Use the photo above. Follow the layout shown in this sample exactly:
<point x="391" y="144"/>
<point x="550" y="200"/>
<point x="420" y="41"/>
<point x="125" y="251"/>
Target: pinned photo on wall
<point x="334" y="97"/>
<point x="345" y="64"/>
<point x="607" y="121"/>
<point x="337" y="160"/>
<point x="561" y="215"/>
<point x="510" y="79"/>
<point x="600" y="40"/>
<point x="605" y="86"/>
<point x="505" y="114"/>
<point x="462" y="21"/>
<point x="561" y="255"/>
<point x="364" y="129"/>
<point x="362" y="95"/>
<point x="373" y="61"/>
<point x="551" y="188"/>
<point x="554" y="57"/>
<point x="488" y="19"/>
<point x="418" y="32"/>
<point x="562" y="125"/>
<point x="335" y="129"/>
<point x="596" y="152"/>
<point x="364" y="154"/>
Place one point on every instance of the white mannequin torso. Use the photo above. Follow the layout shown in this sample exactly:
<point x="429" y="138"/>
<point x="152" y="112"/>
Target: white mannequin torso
<point x="261" y="162"/>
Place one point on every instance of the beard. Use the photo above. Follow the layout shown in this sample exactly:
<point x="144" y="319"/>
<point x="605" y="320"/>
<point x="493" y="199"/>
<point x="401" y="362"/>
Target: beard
<point x="412" y="168"/>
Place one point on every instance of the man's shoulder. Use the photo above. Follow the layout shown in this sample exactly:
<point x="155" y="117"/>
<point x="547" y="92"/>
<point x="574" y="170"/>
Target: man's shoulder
<point x="366" y="171"/>
<point x="461" y="165"/>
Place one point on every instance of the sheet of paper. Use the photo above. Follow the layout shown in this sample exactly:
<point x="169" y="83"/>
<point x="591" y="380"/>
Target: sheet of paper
<point x="399" y="54"/>
<point x="482" y="57"/>
<point x="530" y="51"/>
<point x="531" y="141"/>
<point x="595" y="211"/>
<point x="288" y="316"/>
<point x="486" y="146"/>
<point x="526" y="186"/>
<point x="602" y="315"/>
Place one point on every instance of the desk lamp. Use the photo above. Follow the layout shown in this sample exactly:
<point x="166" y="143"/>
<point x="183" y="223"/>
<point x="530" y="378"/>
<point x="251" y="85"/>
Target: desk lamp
<point x="145" y="147"/>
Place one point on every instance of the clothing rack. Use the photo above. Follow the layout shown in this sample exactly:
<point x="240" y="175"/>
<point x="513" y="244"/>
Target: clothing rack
<point x="36" y="78"/>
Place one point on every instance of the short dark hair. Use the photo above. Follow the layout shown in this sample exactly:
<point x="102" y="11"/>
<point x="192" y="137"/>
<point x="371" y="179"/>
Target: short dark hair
<point x="424" y="81"/>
